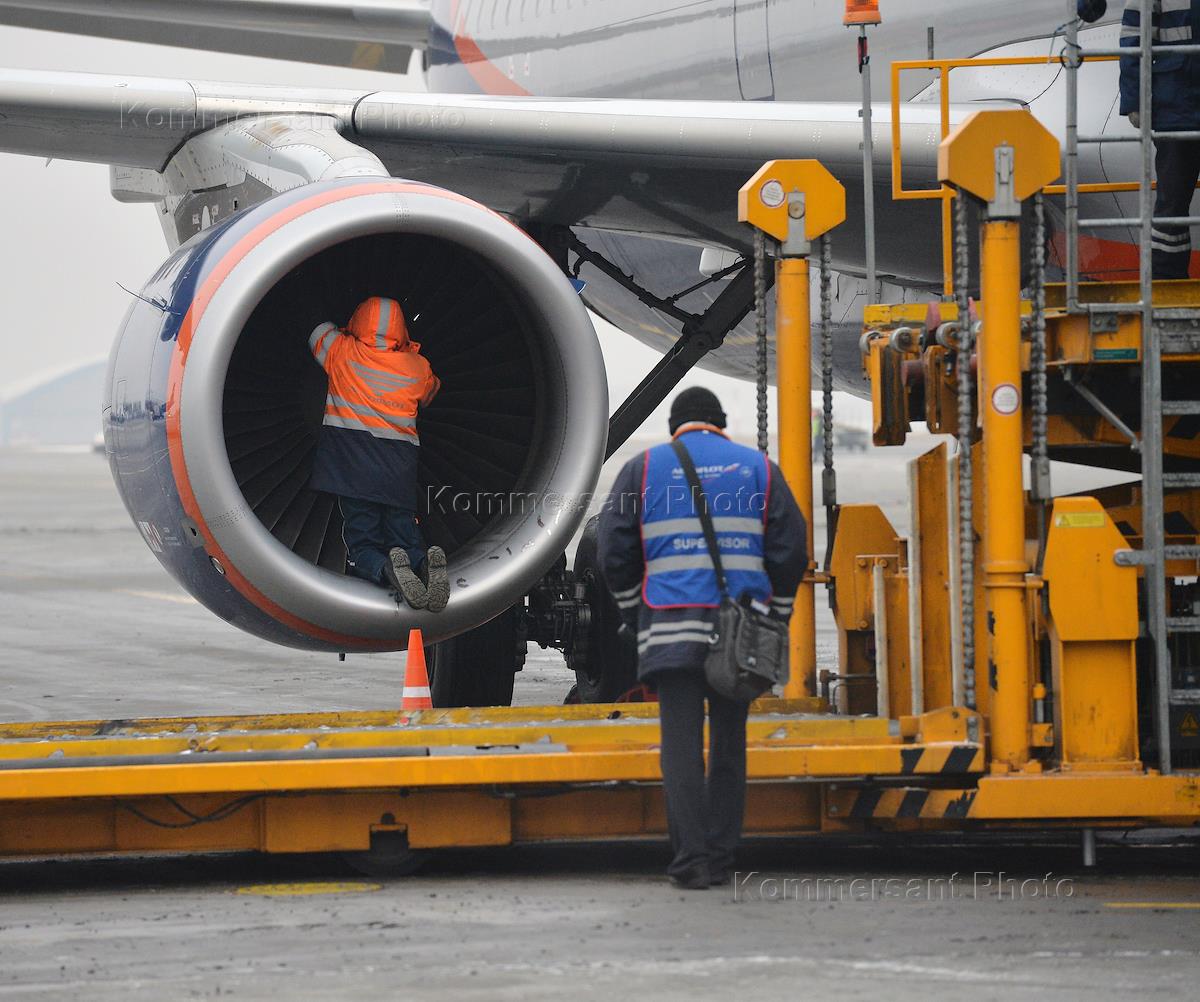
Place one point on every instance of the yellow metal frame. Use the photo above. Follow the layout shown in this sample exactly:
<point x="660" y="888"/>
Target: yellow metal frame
<point x="463" y="777"/>
<point x="766" y="203"/>
<point x="945" y="193"/>
<point x="968" y="160"/>
<point x="486" y="784"/>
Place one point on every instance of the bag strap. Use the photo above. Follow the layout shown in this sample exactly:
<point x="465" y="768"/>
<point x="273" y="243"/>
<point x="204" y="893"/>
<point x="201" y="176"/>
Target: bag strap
<point x="700" y="502"/>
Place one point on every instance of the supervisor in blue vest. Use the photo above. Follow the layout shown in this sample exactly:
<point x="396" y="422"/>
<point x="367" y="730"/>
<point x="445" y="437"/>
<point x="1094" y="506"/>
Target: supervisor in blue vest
<point x="656" y="564"/>
<point x="1175" y="103"/>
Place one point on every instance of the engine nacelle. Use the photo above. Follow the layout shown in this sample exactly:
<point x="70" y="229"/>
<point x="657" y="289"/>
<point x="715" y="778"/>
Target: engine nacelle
<point x="214" y="403"/>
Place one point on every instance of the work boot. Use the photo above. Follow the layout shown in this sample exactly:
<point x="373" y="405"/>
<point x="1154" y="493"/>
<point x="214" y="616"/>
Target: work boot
<point x="437" y="578"/>
<point x="694" y="878"/>
<point x="399" y="572"/>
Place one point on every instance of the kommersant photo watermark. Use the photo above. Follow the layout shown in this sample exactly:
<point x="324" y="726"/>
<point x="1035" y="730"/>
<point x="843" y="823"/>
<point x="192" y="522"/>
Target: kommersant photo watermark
<point x="979" y="885"/>
<point x="446" y="500"/>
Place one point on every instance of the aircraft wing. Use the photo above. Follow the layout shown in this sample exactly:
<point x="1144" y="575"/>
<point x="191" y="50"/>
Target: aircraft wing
<point x="670" y="168"/>
<point x="366" y="34"/>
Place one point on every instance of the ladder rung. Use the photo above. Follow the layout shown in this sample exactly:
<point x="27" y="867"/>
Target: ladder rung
<point x="1181" y="479"/>
<point x="1111" y="223"/>
<point x="1133" y="51"/>
<point x="1123" y="309"/>
<point x="1177" y="313"/>
<point x="1133" y="222"/>
<point x="1181" y="406"/>
<point x="1185" y="696"/>
<point x="1109" y="139"/>
<point x="1177" y="220"/>
<point x="1184" y="624"/>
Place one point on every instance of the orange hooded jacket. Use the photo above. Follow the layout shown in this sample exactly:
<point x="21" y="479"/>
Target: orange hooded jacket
<point x="377" y="381"/>
<point x="378" y="378"/>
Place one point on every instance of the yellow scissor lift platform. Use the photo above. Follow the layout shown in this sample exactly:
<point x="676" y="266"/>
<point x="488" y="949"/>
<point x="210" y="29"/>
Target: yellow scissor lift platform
<point x="502" y="776"/>
<point x="464" y="777"/>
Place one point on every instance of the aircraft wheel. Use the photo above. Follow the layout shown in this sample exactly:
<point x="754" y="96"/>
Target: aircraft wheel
<point x="477" y="668"/>
<point x="606" y="666"/>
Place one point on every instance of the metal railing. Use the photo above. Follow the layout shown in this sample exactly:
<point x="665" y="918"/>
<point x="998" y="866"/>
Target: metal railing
<point x="945" y="193"/>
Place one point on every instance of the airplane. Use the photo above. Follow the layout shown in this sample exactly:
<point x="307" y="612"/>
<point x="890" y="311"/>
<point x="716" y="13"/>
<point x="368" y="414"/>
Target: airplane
<point x="598" y="140"/>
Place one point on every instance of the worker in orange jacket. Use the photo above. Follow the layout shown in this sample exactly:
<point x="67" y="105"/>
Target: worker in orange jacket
<point x="369" y="449"/>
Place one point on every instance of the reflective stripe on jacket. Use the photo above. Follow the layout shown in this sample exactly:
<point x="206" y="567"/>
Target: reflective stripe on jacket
<point x="737" y="484"/>
<point x="377" y="377"/>
<point x="378" y="380"/>
<point x="1175" y="91"/>
<point x="672" y="639"/>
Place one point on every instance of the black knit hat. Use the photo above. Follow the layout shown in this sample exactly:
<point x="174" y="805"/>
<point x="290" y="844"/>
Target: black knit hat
<point x="696" y="404"/>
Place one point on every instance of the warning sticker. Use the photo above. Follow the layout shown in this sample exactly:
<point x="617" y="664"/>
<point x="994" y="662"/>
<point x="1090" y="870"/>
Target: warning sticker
<point x="1079" y="520"/>
<point x="1006" y="399"/>
<point x="772" y="194"/>
<point x="1189" y="726"/>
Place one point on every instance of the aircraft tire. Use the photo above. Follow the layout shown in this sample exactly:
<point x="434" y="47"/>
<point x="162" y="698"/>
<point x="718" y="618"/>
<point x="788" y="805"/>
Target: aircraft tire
<point x="607" y="667"/>
<point x="477" y="668"/>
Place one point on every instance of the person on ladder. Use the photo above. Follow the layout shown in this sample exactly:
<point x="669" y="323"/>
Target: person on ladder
<point x="1175" y="100"/>
<point x="368" y="450"/>
<point x="657" y="566"/>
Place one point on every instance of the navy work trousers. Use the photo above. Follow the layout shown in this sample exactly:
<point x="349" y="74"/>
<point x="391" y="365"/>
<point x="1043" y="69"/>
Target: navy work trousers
<point x="704" y="815"/>
<point x="1177" y="164"/>
<point x="370" y="530"/>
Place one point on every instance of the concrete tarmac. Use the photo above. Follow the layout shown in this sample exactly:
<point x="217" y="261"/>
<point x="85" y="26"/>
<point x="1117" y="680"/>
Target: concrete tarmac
<point x="91" y="626"/>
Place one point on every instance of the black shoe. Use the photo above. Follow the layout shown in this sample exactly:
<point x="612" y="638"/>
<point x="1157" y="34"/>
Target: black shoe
<point x="694" y="878"/>
<point x="718" y="878"/>
<point x="400" y="574"/>
<point x="438" y="587"/>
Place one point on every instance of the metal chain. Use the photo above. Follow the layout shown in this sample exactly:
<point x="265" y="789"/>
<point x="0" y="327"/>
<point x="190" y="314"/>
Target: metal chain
<point x="966" y="521"/>
<point x="1040" y="480"/>
<point x="762" y="370"/>
<point x="828" y="475"/>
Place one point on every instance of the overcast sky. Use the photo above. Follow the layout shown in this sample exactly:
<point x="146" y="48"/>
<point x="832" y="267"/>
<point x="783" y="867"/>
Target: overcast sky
<point x="68" y="246"/>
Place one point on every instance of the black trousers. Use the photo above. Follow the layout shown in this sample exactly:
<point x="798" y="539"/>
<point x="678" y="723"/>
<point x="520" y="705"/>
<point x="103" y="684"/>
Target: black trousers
<point x="704" y="815"/>
<point x="1178" y="167"/>
<point x="370" y="530"/>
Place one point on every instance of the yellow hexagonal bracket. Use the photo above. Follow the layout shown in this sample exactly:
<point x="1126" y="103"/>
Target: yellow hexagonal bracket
<point x="763" y="200"/>
<point x="967" y="157"/>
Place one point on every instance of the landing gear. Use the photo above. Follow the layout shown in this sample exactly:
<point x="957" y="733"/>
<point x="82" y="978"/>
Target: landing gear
<point x="476" y="668"/>
<point x="605" y="661"/>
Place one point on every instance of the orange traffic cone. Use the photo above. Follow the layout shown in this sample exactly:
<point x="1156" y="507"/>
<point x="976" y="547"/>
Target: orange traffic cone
<point x="416" y="677"/>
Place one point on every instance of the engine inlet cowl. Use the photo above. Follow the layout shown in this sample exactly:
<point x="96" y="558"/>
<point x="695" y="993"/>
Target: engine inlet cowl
<point x="214" y="408"/>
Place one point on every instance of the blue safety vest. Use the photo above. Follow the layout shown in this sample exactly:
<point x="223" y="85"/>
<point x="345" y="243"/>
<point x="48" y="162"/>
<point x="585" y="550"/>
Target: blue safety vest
<point x="679" y="572"/>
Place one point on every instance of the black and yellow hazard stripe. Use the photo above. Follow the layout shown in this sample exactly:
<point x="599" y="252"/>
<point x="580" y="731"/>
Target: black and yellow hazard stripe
<point x="941" y="759"/>
<point x="905" y="802"/>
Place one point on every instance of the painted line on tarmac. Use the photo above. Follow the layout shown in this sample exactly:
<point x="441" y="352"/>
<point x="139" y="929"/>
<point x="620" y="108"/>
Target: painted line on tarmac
<point x="161" y="596"/>
<point x="1184" y="905"/>
<point x="309" y="888"/>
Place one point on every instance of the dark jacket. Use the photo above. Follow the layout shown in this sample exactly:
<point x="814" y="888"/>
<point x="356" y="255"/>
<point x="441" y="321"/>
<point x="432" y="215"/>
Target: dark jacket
<point x="622" y="561"/>
<point x="1175" y="92"/>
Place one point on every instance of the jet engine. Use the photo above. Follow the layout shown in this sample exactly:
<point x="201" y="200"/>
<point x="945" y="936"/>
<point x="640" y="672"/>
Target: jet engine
<point x="214" y="404"/>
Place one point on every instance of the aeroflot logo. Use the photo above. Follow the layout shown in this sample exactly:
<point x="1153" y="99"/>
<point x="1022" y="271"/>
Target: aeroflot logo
<point x="708" y="472"/>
